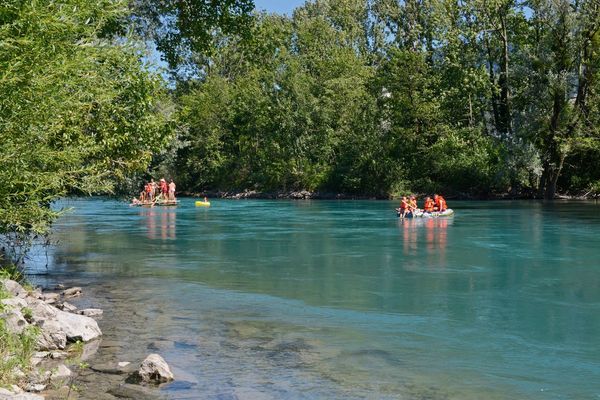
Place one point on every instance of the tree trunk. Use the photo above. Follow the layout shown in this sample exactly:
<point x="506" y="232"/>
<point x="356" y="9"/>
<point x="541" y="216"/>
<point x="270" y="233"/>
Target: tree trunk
<point x="505" y="108"/>
<point x="551" y="187"/>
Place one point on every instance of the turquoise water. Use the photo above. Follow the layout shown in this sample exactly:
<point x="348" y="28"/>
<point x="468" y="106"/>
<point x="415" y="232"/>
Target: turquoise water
<point x="327" y="299"/>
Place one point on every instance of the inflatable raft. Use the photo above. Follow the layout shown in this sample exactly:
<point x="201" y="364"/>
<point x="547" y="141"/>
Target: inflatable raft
<point x="420" y="214"/>
<point x="202" y="203"/>
<point x="164" y="203"/>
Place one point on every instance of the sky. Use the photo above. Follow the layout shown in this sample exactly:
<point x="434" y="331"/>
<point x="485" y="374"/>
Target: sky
<point x="278" y="6"/>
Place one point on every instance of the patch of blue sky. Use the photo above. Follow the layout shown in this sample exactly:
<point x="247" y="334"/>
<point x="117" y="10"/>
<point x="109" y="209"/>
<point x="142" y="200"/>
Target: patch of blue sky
<point x="278" y="6"/>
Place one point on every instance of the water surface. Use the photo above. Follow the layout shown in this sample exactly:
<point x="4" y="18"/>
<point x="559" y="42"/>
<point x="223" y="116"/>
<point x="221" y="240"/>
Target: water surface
<point x="342" y="300"/>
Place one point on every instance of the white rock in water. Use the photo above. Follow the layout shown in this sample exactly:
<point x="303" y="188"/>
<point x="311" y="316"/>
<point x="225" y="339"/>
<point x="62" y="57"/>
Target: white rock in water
<point x="72" y="292"/>
<point x="66" y="306"/>
<point x="78" y="327"/>
<point x="91" y="312"/>
<point x="50" y="298"/>
<point x="155" y="369"/>
<point x="14" y="288"/>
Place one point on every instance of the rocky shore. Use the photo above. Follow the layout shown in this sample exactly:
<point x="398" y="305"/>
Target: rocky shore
<point x="64" y="340"/>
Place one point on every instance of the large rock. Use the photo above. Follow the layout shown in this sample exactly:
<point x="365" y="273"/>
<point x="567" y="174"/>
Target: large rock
<point x="50" y="298"/>
<point x="78" y="327"/>
<point x="154" y="369"/>
<point x="14" y="302"/>
<point x="52" y="335"/>
<point x="66" y="306"/>
<point x="60" y="374"/>
<point x="40" y="311"/>
<point x="14" y="321"/>
<point x="91" y="312"/>
<point x="72" y="292"/>
<point x="25" y="396"/>
<point x="14" y="288"/>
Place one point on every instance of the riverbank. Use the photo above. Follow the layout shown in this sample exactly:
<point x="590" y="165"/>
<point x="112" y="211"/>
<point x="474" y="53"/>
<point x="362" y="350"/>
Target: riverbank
<point x="50" y="346"/>
<point x="315" y="195"/>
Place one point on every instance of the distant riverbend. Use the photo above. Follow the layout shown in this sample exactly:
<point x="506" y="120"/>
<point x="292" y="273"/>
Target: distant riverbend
<point x="342" y="300"/>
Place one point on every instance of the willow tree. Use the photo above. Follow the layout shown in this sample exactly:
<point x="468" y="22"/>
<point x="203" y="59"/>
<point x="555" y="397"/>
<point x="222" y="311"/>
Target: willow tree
<point x="78" y="109"/>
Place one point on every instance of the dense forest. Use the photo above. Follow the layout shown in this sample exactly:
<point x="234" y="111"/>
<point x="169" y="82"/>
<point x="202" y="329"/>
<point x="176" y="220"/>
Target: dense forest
<point x="382" y="97"/>
<point x="362" y="97"/>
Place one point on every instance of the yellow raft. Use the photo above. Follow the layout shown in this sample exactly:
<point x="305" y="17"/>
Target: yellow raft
<point x="200" y="203"/>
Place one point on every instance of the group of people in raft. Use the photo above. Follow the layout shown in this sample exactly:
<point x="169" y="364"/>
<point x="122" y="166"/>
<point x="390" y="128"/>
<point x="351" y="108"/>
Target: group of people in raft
<point x="154" y="192"/>
<point x="408" y="205"/>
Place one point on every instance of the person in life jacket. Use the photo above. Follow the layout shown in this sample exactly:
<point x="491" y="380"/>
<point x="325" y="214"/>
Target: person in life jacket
<point x="428" y="205"/>
<point x="164" y="188"/>
<point x="403" y="207"/>
<point x="412" y="204"/>
<point x="439" y="203"/>
<point x="149" y="192"/>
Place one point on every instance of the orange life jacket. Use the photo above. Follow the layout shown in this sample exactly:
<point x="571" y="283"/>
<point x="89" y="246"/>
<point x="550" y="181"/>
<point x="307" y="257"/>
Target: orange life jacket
<point x="428" y="206"/>
<point x="403" y="205"/>
<point x="441" y="204"/>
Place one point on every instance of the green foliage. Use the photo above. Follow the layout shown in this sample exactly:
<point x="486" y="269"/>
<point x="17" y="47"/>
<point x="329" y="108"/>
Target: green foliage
<point x="78" y="109"/>
<point x="15" y="349"/>
<point x="379" y="97"/>
<point x="180" y="28"/>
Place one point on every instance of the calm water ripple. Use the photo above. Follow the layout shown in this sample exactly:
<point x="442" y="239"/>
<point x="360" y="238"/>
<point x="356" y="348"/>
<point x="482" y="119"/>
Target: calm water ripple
<point x="341" y="300"/>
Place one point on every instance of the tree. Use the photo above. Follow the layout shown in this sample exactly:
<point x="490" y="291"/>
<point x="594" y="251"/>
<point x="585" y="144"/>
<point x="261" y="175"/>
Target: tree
<point x="182" y="29"/>
<point x="78" y="110"/>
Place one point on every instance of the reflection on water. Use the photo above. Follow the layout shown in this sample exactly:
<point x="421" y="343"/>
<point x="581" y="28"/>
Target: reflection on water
<point x="341" y="300"/>
<point x="160" y="222"/>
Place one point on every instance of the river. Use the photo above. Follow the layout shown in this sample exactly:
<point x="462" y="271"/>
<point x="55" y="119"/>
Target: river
<point x="341" y="299"/>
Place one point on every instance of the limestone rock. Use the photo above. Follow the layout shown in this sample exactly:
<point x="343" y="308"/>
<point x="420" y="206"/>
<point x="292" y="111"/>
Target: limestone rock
<point x="25" y="396"/>
<point x="50" y="298"/>
<point x="14" y="288"/>
<point x="78" y="327"/>
<point x="52" y="335"/>
<point x="58" y="355"/>
<point x="35" y="387"/>
<point x="154" y="369"/>
<point x="91" y="312"/>
<point x="16" y="393"/>
<point x="61" y="373"/>
<point x="7" y="393"/>
<point x="66" y="306"/>
<point x="72" y="292"/>
<point x="40" y="311"/>
<point x="14" y="321"/>
<point x="14" y="302"/>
